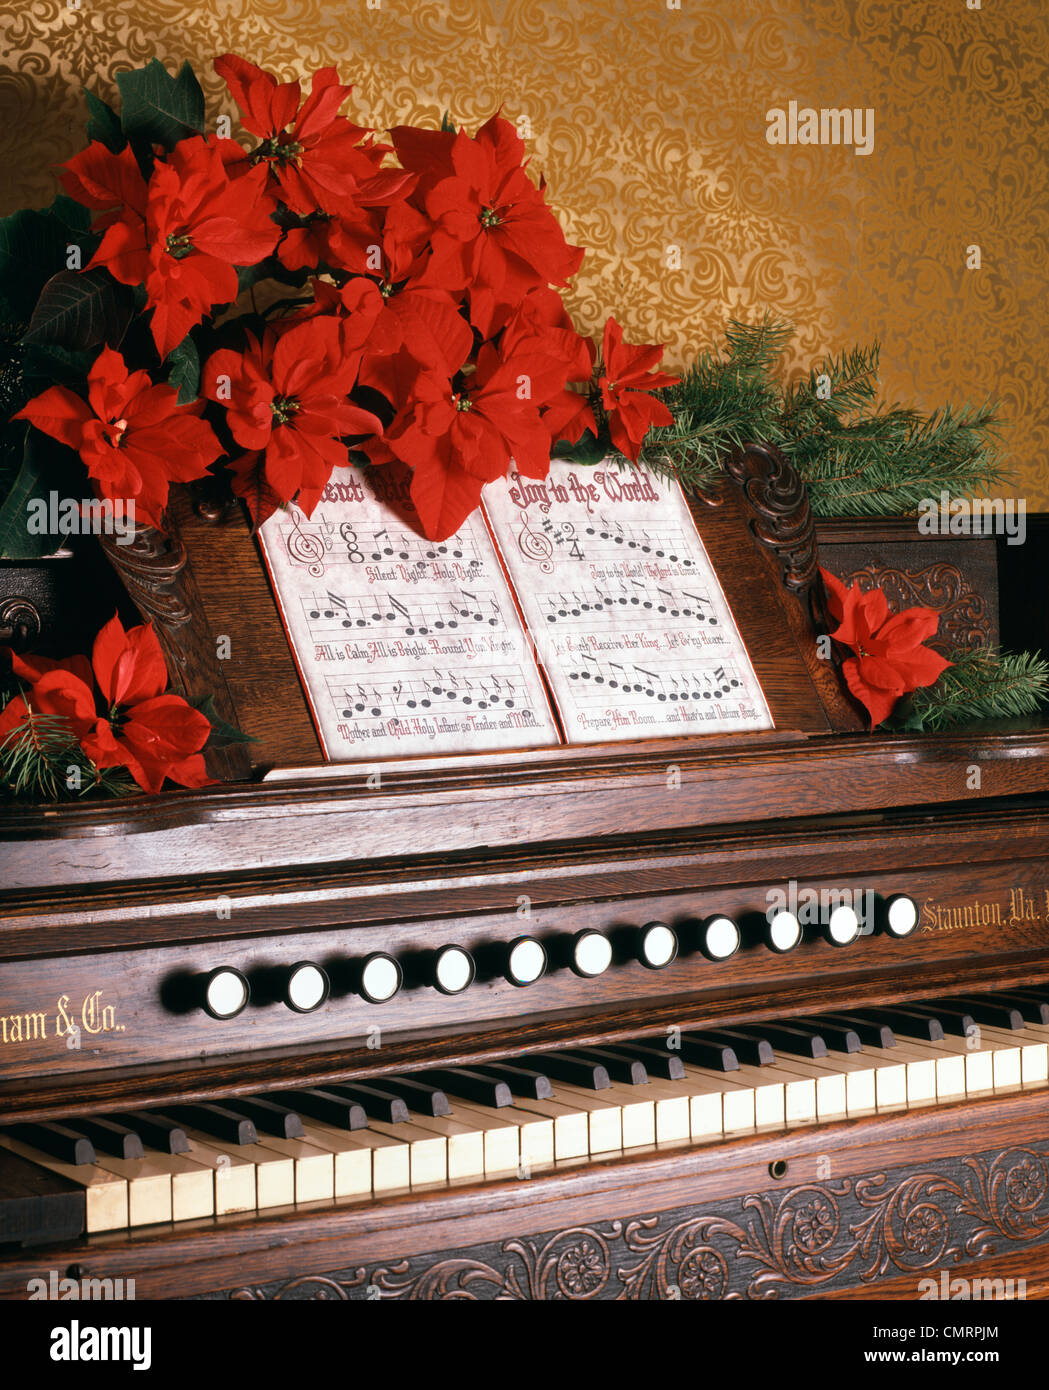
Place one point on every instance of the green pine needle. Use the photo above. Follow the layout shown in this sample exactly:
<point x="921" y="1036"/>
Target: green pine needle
<point x="981" y="684"/>
<point x="41" y="760"/>
<point x="857" y="457"/>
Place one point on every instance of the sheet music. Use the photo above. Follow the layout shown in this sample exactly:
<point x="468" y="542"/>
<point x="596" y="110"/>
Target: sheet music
<point x="626" y="612"/>
<point x="404" y="646"/>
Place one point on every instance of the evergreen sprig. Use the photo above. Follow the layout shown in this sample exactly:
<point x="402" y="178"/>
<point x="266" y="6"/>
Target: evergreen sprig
<point x="41" y="760"/>
<point x="982" y="684"/>
<point x="857" y="456"/>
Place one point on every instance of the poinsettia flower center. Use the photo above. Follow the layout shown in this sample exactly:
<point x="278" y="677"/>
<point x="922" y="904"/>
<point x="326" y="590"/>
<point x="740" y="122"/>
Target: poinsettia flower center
<point x="114" y="432"/>
<point x="462" y="403"/>
<point x="287" y="152"/>
<point x="283" y="408"/>
<point x="490" y="218"/>
<point x="178" y="245"/>
<point x="118" y="716"/>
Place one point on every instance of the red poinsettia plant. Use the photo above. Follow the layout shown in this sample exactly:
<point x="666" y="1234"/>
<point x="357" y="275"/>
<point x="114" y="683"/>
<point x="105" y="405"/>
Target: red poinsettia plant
<point x="308" y="294"/>
<point x="889" y="658"/>
<point x="72" y="722"/>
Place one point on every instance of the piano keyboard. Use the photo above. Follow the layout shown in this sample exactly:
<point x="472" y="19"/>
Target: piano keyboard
<point x="522" y="1116"/>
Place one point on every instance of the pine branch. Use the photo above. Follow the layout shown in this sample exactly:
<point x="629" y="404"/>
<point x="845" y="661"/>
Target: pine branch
<point x="41" y="760"/>
<point x="982" y="684"/>
<point x="857" y="457"/>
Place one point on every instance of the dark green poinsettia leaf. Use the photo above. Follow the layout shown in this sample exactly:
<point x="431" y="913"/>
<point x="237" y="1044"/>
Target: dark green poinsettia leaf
<point x="46" y="468"/>
<point x="34" y="246"/>
<point x="80" y="309"/>
<point x="104" y="123"/>
<point x="221" y="732"/>
<point x="183" y="364"/>
<point x="158" y="109"/>
<point x="48" y="364"/>
<point x="586" y="451"/>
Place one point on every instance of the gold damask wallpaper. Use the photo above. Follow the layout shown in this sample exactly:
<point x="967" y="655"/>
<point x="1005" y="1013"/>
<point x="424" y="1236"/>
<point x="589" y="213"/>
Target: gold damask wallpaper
<point x="650" y="120"/>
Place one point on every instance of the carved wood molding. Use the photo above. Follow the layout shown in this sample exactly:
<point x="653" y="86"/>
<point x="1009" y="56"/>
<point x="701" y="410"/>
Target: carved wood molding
<point x="782" y="520"/>
<point x="965" y="620"/>
<point x="789" y="1243"/>
<point x="156" y="572"/>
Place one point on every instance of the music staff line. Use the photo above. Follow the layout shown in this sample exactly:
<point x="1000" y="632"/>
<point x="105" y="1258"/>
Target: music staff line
<point x="319" y="543"/>
<point x="561" y="607"/>
<point x="401" y="693"/>
<point x="602" y="540"/>
<point x="445" y="612"/>
<point x="664" y="688"/>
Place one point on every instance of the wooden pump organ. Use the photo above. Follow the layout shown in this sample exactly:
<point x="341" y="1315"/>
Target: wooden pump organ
<point x="525" y="1025"/>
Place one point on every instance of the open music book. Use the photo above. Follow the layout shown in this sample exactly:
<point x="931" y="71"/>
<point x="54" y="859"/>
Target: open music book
<point x="579" y="609"/>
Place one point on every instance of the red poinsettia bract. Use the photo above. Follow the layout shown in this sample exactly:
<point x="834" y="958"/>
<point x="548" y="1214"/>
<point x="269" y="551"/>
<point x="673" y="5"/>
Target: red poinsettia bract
<point x="313" y="156"/>
<point x="132" y="435"/>
<point x="890" y="659"/>
<point x="286" y="398"/>
<point x="627" y="379"/>
<point x="156" y="736"/>
<point x="493" y="234"/>
<point x="459" y="435"/>
<point x="182" y="234"/>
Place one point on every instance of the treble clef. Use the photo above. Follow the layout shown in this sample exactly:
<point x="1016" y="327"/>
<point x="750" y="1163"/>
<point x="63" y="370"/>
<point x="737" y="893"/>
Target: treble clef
<point x="535" y="546"/>
<point x="305" y="547"/>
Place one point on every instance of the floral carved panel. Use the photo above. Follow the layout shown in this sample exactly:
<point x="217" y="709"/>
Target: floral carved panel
<point x="782" y="1243"/>
<point x="965" y="615"/>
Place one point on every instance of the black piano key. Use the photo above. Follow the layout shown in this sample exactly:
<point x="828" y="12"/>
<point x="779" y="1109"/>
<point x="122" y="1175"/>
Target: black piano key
<point x="716" y="1050"/>
<point x="839" y="1036"/>
<point x="472" y="1085"/>
<point x="377" y="1103"/>
<point x="217" y="1122"/>
<point x="906" y="1022"/>
<point x="871" y="1032"/>
<point x="1033" y="1009"/>
<point x="112" y="1137"/>
<point x="325" y="1106"/>
<point x="994" y="1012"/>
<point x="954" y="1020"/>
<point x="523" y="1081"/>
<point x="59" y="1141"/>
<point x="794" y="1039"/>
<point x="417" y="1095"/>
<point x="269" y="1116"/>
<point x="577" y="1071"/>
<point x="157" y="1131"/>
<point x="621" y="1066"/>
<point x="658" y="1060"/>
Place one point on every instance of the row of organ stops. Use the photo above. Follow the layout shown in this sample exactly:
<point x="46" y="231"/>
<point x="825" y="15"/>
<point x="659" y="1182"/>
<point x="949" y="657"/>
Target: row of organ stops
<point x="305" y="986"/>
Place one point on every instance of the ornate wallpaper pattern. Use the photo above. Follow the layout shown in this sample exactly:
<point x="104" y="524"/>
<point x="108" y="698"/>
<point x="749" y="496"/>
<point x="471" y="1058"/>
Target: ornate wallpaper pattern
<point x="648" y="118"/>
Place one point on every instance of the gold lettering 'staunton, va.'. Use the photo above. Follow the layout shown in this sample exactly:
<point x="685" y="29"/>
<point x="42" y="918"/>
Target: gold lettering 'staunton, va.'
<point x="1026" y="907"/>
<point x="69" y="1022"/>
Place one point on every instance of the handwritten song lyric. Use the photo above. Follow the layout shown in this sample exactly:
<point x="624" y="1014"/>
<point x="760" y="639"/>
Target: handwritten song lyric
<point x="405" y="647"/>
<point x="627" y="615"/>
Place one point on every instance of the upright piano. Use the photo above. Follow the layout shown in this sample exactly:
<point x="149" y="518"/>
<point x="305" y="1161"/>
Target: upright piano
<point x="524" y="1027"/>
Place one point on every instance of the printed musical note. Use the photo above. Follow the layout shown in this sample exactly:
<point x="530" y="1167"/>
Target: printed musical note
<point x="387" y="549"/>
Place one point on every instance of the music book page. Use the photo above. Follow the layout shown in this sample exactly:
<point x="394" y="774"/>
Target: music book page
<point x="404" y="646"/>
<point x="626" y="613"/>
